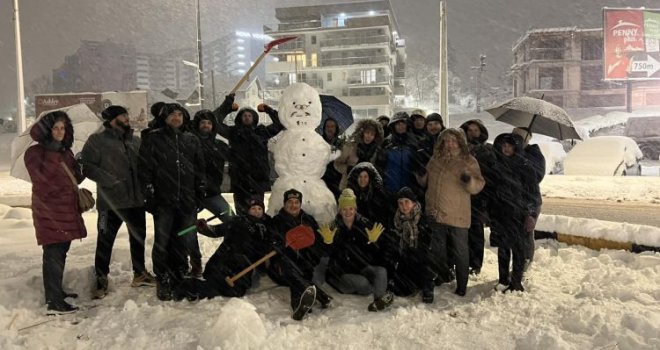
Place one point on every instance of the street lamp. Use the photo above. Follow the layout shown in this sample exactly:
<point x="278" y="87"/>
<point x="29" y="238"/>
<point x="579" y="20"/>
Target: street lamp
<point x="480" y="70"/>
<point x="20" y="102"/>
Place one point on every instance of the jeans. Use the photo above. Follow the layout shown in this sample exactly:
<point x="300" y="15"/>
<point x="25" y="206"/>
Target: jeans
<point x="371" y="279"/>
<point x="53" y="260"/>
<point x="108" y="224"/>
<point x="170" y="250"/>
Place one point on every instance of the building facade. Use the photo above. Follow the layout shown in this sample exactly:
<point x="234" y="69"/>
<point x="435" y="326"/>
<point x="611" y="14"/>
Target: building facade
<point x="566" y="66"/>
<point x="351" y="50"/>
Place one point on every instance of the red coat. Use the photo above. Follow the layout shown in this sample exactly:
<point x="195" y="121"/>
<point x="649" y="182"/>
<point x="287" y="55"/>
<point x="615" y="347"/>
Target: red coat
<point x="54" y="198"/>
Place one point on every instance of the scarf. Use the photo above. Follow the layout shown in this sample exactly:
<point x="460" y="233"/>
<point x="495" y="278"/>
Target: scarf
<point x="407" y="226"/>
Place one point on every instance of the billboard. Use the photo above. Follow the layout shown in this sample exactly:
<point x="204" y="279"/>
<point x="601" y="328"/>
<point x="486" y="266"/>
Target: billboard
<point x="631" y="44"/>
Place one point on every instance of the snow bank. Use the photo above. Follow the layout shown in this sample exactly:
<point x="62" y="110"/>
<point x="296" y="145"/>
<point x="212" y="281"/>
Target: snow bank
<point x="238" y="323"/>
<point x="625" y="188"/>
<point x="592" y="228"/>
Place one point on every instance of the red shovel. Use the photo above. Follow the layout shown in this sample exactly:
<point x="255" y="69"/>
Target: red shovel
<point x="299" y="237"/>
<point x="267" y="49"/>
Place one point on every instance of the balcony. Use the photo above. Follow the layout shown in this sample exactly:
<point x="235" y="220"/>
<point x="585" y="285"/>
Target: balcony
<point x="374" y="100"/>
<point x="352" y="61"/>
<point x="362" y="41"/>
<point x="291" y="46"/>
<point x="283" y="84"/>
<point x="359" y="80"/>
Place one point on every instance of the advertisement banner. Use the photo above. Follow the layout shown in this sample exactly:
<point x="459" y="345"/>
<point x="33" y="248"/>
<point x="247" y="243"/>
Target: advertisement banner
<point x="49" y="102"/>
<point x="631" y="40"/>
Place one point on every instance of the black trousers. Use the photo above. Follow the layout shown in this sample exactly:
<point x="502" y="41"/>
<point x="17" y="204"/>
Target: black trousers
<point x="285" y="272"/>
<point x="449" y="247"/>
<point x="54" y="258"/>
<point x="109" y="222"/>
<point x="476" y="243"/>
<point x="170" y="253"/>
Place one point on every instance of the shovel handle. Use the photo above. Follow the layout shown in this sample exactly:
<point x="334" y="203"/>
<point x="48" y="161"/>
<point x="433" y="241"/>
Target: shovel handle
<point x="193" y="228"/>
<point x="230" y="280"/>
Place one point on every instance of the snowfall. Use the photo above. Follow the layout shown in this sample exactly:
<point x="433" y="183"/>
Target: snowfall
<point x="575" y="298"/>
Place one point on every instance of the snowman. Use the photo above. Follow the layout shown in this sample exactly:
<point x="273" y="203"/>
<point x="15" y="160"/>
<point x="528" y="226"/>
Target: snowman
<point x="301" y="154"/>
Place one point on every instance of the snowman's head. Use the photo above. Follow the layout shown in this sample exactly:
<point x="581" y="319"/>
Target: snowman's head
<point x="300" y="107"/>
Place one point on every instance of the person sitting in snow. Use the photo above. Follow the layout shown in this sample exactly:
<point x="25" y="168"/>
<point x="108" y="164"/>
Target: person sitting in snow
<point x="407" y="249"/>
<point x="351" y="240"/>
<point x="300" y="270"/>
<point x="247" y="238"/>
<point x="511" y="209"/>
<point x="249" y="167"/>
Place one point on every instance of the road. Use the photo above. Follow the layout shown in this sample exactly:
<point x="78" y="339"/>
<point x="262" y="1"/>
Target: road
<point x="632" y="212"/>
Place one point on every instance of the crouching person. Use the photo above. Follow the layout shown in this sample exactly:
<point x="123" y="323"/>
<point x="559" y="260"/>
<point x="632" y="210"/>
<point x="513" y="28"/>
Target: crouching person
<point x="407" y="249"/>
<point x="247" y="238"/>
<point x="292" y="267"/>
<point x="351" y="240"/>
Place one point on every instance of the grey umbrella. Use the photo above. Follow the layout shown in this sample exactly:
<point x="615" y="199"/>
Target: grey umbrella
<point x="539" y="116"/>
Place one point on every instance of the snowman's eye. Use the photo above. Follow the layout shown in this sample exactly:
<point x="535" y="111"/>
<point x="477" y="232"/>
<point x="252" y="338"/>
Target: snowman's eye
<point x="294" y="103"/>
<point x="310" y="102"/>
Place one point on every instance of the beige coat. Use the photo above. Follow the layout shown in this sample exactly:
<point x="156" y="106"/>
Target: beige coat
<point x="447" y="197"/>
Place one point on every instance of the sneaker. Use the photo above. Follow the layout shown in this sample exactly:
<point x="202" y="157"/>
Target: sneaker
<point x="60" y="308"/>
<point x="101" y="287"/>
<point x="144" y="279"/>
<point x="304" y="303"/>
<point x="380" y="304"/>
<point x="164" y="289"/>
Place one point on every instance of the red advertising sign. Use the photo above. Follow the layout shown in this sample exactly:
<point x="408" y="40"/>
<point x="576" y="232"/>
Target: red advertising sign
<point x="631" y="50"/>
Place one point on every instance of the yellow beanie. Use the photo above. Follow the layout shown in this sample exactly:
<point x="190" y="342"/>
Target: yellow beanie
<point x="347" y="199"/>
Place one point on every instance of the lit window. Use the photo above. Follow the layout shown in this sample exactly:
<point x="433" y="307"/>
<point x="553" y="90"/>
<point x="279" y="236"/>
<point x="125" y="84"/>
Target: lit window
<point x="240" y="48"/>
<point x="372" y="12"/>
<point x="241" y="63"/>
<point x="314" y="60"/>
<point x="240" y="55"/>
<point x="240" y="40"/>
<point x="275" y="59"/>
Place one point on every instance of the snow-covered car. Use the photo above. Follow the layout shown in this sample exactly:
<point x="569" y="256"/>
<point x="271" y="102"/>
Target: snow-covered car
<point x="604" y="156"/>
<point x="554" y="155"/>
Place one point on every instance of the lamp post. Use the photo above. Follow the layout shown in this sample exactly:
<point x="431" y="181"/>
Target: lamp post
<point x="20" y="102"/>
<point x="200" y="64"/>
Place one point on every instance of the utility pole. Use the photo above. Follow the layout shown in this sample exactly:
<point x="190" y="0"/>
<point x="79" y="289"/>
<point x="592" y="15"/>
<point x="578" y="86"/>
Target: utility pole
<point x="213" y="86"/>
<point x="200" y="70"/>
<point x="443" y="71"/>
<point x="480" y="70"/>
<point x="20" y="90"/>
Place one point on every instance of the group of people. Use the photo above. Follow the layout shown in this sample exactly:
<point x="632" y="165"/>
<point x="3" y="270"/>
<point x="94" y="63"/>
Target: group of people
<point x="413" y="199"/>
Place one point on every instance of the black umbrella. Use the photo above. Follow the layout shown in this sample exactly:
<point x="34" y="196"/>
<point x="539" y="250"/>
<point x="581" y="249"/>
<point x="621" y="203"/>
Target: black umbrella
<point x="332" y="107"/>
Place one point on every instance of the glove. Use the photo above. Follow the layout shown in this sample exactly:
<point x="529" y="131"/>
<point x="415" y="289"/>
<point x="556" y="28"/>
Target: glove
<point x="530" y="223"/>
<point x="203" y="227"/>
<point x="262" y="107"/>
<point x="465" y="177"/>
<point x="230" y="98"/>
<point x="375" y="232"/>
<point x="327" y="233"/>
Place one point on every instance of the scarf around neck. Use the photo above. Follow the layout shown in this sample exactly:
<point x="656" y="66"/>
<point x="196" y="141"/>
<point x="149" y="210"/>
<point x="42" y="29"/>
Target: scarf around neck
<point x="407" y="226"/>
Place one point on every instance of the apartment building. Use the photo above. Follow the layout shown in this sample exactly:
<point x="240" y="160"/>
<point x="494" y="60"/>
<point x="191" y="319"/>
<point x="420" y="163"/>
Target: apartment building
<point x="351" y="50"/>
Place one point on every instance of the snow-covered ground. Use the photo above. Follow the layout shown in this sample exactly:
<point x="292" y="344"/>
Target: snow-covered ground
<point x="613" y="188"/>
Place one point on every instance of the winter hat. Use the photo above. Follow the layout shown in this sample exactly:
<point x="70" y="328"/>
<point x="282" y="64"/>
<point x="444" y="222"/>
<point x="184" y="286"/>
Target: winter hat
<point x="407" y="193"/>
<point x="417" y="113"/>
<point x="347" y="199"/>
<point x="398" y="117"/>
<point x="113" y="112"/>
<point x="292" y="193"/>
<point x="156" y="108"/>
<point x="383" y="117"/>
<point x="434" y="117"/>
<point x="256" y="201"/>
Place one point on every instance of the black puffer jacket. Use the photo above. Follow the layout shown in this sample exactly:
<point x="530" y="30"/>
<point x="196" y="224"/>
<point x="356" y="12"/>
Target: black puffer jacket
<point x="172" y="164"/>
<point x="110" y="158"/>
<point x="249" y="168"/>
<point x="215" y="152"/>
<point x="350" y="251"/>
<point x="373" y="202"/>
<point x="513" y="182"/>
<point x="484" y="153"/>
<point x="537" y="161"/>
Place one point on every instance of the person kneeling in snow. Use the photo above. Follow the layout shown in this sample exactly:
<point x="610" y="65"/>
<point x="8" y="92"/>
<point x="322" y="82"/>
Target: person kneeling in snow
<point x="408" y="248"/>
<point x="247" y="238"/>
<point x="351" y="239"/>
<point x="297" y="268"/>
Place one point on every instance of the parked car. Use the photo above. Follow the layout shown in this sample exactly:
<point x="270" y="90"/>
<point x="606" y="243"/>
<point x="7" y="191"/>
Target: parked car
<point x="554" y="155"/>
<point x="646" y="132"/>
<point x="605" y="156"/>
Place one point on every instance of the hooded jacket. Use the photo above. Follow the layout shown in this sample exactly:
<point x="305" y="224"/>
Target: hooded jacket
<point x="484" y="153"/>
<point x="332" y="177"/>
<point x="397" y="157"/>
<point x="172" y="165"/>
<point x="355" y="151"/>
<point x="447" y="196"/>
<point x="373" y="202"/>
<point x="215" y="152"/>
<point x="55" y="210"/>
<point x="249" y="168"/>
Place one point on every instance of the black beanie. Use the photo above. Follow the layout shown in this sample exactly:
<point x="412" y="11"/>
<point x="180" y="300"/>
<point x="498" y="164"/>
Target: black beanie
<point x="406" y="192"/>
<point x="256" y="201"/>
<point x="113" y="112"/>
<point x="292" y="193"/>
<point x="434" y="117"/>
<point x="156" y="108"/>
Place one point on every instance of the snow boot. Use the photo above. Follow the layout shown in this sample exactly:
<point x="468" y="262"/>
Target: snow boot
<point x="144" y="279"/>
<point x="304" y="303"/>
<point x="323" y="298"/>
<point x="164" y="289"/>
<point x="60" y="308"/>
<point x="196" y="269"/>
<point x="380" y="304"/>
<point x="71" y="295"/>
<point x="427" y="295"/>
<point x="101" y="289"/>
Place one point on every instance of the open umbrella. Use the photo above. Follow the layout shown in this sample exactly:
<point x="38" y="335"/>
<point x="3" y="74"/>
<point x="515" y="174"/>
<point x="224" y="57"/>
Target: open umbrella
<point x="539" y="116"/>
<point x="332" y="107"/>
<point x="84" y="122"/>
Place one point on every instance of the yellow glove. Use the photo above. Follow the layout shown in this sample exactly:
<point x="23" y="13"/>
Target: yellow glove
<point x="327" y="233"/>
<point x="375" y="232"/>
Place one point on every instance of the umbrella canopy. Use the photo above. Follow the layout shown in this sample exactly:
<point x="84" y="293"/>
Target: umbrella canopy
<point x="332" y="107"/>
<point x="539" y="116"/>
<point x="84" y="122"/>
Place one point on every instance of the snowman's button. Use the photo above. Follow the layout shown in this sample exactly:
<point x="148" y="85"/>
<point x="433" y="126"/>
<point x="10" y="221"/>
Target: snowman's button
<point x="303" y="154"/>
<point x="303" y="139"/>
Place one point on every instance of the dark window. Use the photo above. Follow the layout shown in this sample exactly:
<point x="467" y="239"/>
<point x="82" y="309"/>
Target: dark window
<point x="547" y="49"/>
<point x="592" y="48"/>
<point x="591" y="78"/>
<point x="313" y="39"/>
<point x="329" y="77"/>
<point x="551" y="78"/>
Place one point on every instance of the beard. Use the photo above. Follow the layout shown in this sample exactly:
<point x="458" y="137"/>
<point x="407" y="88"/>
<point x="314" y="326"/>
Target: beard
<point x="124" y="126"/>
